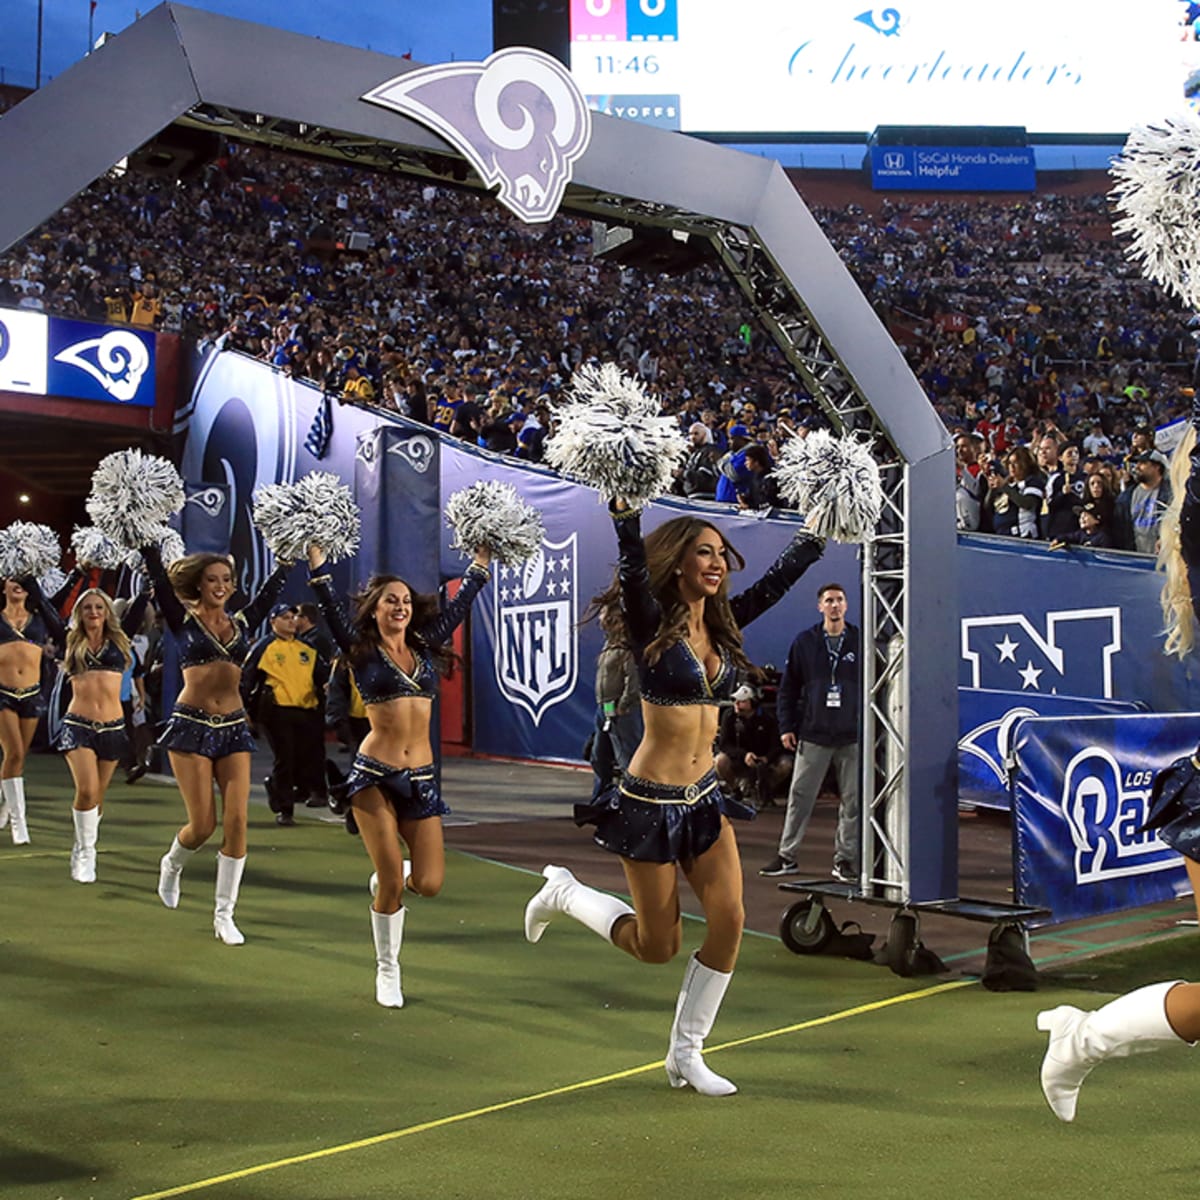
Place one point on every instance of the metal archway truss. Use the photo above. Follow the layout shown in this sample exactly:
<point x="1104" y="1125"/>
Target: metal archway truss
<point x="181" y="66"/>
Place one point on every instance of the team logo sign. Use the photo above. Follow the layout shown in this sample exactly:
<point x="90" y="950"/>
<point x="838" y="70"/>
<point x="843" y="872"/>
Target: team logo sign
<point x="1104" y="806"/>
<point x="210" y="500"/>
<point x="117" y="361"/>
<point x="416" y="451"/>
<point x="517" y="117"/>
<point x="1072" y="657"/>
<point x="536" y="609"/>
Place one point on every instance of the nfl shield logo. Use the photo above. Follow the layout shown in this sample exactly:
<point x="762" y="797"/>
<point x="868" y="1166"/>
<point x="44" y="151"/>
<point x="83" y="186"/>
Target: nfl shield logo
<point x="536" y="608"/>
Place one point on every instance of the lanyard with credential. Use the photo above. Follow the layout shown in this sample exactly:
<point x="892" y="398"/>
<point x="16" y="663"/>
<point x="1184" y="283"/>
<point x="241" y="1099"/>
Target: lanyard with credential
<point x="833" y="647"/>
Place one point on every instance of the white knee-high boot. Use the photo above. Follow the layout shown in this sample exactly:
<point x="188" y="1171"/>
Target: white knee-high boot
<point x="83" y="853"/>
<point x="373" y="882"/>
<point x="14" y="792"/>
<point x="1135" y="1023"/>
<point x="699" y="1001"/>
<point x="388" y="931"/>
<point x="229" y="882"/>
<point x="4" y="812"/>
<point x="563" y="893"/>
<point x="170" y="867"/>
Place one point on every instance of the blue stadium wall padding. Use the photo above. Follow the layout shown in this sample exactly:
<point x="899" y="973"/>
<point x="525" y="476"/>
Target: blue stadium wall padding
<point x="1031" y="621"/>
<point x="1081" y="790"/>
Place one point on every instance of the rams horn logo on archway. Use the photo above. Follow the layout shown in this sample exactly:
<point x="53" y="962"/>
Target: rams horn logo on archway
<point x="517" y="117"/>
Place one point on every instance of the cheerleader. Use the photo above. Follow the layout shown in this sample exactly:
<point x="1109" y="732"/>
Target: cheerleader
<point x="28" y="622"/>
<point x="669" y="808"/>
<point x="92" y="737"/>
<point x="669" y="811"/>
<point x="207" y="736"/>
<point x="395" y="645"/>
<point x="1162" y="1015"/>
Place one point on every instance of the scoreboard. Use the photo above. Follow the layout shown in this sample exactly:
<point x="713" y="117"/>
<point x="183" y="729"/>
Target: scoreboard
<point x="845" y="66"/>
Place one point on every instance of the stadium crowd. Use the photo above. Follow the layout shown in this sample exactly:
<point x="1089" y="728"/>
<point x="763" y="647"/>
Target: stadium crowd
<point x="1031" y="333"/>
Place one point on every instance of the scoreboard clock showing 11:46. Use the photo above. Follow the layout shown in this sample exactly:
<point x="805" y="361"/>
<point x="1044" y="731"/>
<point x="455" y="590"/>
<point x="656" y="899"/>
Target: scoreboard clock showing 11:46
<point x="624" y="55"/>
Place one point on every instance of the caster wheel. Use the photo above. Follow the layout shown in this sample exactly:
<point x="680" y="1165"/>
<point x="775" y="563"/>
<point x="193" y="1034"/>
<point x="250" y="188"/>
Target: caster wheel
<point x="902" y="943"/>
<point x="806" y="927"/>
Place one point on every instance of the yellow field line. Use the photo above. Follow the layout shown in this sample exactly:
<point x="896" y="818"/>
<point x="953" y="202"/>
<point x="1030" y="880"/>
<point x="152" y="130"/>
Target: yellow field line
<point x="458" y="1118"/>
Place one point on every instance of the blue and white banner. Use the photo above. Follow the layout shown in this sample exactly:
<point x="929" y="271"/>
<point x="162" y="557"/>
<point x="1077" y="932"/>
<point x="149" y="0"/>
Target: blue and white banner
<point x="953" y="168"/>
<point x="988" y="723"/>
<point x="396" y="485"/>
<point x="1081" y="790"/>
<point x="52" y="356"/>
<point x="1066" y="623"/>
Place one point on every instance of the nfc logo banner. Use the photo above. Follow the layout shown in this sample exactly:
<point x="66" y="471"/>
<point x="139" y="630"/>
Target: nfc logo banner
<point x="624" y="20"/>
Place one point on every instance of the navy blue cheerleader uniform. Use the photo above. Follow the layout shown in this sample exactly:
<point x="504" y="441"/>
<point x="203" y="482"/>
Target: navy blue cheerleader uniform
<point x="107" y="740"/>
<point x="412" y="791"/>
<point x="43" y="625"/>
<point x="657" y="822"/>
<point x="192" y="730"/>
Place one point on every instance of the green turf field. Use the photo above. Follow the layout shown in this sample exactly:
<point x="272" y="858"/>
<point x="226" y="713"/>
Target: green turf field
<point x="142" y="1058"/>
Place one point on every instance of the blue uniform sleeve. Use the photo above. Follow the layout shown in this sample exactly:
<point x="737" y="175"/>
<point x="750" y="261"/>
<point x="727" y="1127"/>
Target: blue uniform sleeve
<point x="643" y="615"/>
<point x="254" y="612"/>
<point x="168" y="603"/>
<point x="49" y="614"/>
<point x="799" y="554"/>
<point x="319" y="580"/>
<point x="452" y="615"/>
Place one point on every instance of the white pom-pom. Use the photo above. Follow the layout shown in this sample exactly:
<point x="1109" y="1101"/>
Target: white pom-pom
<point x="170" y="548"/>
<point x="1158" y="190"/>
<point x="28" y="549"/>
<point x="132" y="495"/>
<point x="94" y="548"/>
<point x="610" y="436"/>
<point x="50" y="581"/>
<point x="834" y="482"/>
<point x="318" y="508"/>
<point x="493" y="515"/>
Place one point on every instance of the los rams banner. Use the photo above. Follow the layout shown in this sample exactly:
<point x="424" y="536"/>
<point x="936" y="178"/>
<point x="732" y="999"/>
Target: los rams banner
<point x="1081" y="791"/>
<point x="988" y="722"/>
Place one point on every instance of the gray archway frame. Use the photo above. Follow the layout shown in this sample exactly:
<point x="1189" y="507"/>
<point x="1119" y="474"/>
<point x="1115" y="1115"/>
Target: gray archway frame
<point x="258" y="84"/>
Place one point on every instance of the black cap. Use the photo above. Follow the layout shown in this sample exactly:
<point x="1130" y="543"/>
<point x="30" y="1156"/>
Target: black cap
<point x="281" y="608"/>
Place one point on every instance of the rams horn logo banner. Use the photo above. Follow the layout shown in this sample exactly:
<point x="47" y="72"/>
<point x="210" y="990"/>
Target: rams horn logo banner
<point x="517" y="117"/>
<point x="536" y="614"/>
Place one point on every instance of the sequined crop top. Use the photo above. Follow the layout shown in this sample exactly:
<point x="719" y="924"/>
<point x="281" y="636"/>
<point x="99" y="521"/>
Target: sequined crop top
<point x="378" y="678"/>
<point x="679" y="677"/>
<point x="109" y="657"/>
<point x="195" y="643"/>
<point x="43" y="624"/>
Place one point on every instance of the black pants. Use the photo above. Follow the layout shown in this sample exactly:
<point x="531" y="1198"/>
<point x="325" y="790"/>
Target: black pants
<point x="297" y="740"/>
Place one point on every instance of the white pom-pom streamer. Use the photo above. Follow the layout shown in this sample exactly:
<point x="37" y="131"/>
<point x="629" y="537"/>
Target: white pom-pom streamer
<point x="94" y="548"/>
<point x="610" y="436"/>
<point x="170" y="548"/>
<point x="493" y="515"/>
<point x="28" y="549"/>
<point x="51" y="580"/>
<point x="1157" y="190"/>
<point x="318" y="508"/>
<point x="834" y="482"/>
<point x="132" y="496"/>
